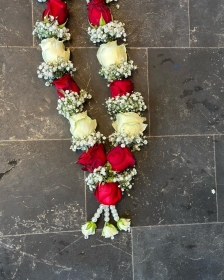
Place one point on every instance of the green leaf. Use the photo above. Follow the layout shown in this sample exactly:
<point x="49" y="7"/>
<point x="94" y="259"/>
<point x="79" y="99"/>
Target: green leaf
<point x="46" y="19"/>
<point x="62" y="25"/>
<point x="89" y="226"/>
<point x="102" y="21"/>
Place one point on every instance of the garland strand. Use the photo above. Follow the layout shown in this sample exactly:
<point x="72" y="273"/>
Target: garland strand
<point x="110" y="174"/>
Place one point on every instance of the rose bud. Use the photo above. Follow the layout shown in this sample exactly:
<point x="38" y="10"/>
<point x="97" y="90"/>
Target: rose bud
<point x="109" y="231"/>
<point x="57" y="9"/>
<point x="65" y="83"/>
<point x="120" y="158"/>
<point x="98" y="13"/>
<point x="93" y="158"/>
<point x="121" y="87"/>
<point x="108" y="193"/>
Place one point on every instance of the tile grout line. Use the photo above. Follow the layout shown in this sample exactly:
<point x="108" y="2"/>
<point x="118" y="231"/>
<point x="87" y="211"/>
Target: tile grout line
<point x="150" y="136"/>
<point x="147" y="73"/>
<point x="216" y="186"/>
<point x="134" y="48"/>
<point x="189" y="23"/>
<point x="30" y="140"/>
<point x="39" y="233"/>
<point x="132" y="253"/>
<point x="32" y="19"/>
<point x="183" y="135"/>
<point x="178" y="225"/>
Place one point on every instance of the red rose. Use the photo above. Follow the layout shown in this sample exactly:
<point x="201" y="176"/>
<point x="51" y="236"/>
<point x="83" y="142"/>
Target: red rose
<point x="108" y="193"/>
<point x="93" y="158"/>
<point x="57" y="9"/>
<point x="98" y="13"/>
<point x="120" y="158"/>
<point x="121" y="87"/>
<point x="65" y="83"/>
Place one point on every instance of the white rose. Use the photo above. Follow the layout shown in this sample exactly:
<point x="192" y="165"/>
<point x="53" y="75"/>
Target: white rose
<point x="52" y="49"/>
<point x="109" y="231"/>
<point x="81" y="125"/>
<point x="88" y="228"/>
<point x="130" y="123"/>
<point x="111" y="53"/>
<point x="124" y="224"/>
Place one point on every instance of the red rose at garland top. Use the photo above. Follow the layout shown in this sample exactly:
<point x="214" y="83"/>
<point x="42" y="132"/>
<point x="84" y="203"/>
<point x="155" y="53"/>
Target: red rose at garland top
<point x="65" y="83"/>
<point x="108" y="193"/>
<point x="98" y="13"/>
<point x="120" y="158"/>
<point x="121" y="87"/>
<point x="93" y="158"/>
<point x="57" y="9"/>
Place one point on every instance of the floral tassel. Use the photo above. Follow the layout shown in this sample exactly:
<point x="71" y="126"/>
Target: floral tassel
<point x="109" y="230"/>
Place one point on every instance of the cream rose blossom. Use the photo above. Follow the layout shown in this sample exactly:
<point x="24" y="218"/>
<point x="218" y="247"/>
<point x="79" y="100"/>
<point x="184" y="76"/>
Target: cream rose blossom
<point x="109" y="231"/>
<point x="111" y="53"/>
<point x="88" y="229"/>
<point x="130" y="123"/>
<point x="82" y="125"/>
<point x="124" y="224"/>
<point x="52" y="49"/>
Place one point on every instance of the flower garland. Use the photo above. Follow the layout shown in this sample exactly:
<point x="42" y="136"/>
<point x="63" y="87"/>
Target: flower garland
<point x="110" y="174"/>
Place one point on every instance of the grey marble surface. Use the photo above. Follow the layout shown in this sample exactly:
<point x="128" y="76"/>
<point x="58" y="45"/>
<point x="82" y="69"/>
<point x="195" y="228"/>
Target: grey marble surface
<point x="206" y="24"/>
<point x="179" y="252"/>
<point x="176" y="204"/>
<point x="186" y="91"/>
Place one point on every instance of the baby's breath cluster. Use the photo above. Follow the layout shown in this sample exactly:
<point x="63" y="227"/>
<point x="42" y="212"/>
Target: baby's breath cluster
<point x="86" y="142"/>
<point x="117" y="72"/>
<point x="126" y="103"/>
<point x="54" y="70"/>
<point x="124" y="179"/>
<point x="133" y="142"/>
<point x="105" y="174"/>
<point x="50" y="28"/>
<point x="42" y="1"/>
<point x="108" y="32"/>
<point x="72" y="102"/>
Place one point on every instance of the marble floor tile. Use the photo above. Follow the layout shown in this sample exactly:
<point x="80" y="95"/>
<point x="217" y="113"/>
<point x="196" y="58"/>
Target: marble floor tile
<point x="173" y="185"/>
<point x="155" y="23"/>
<point x="28" y="108"/>
<point x="16" y="23"/>
<point x="179" y="252"/>
<point x="206" y="23"/>
<point x="41" y="187"/>
<point x="65" y="256"/>
<point x="186" y="91"/>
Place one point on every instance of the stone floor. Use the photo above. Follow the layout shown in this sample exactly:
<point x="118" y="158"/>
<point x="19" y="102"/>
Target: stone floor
<point x="178" y="222"/>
